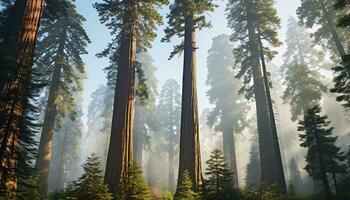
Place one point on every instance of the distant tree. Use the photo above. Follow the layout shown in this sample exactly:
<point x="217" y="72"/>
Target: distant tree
<point x="229" y="114"/>
<point x="168" y="114"/>
<point x="295" y="176"/>
<point x="324" y="157"/>
<point x="320" y="14"/>
<point x="133" y="186"/>
<point x="219" y="184"/>
<point x="303" y="84"/>
<point x="132" y="24"/>
<point x="254" y="25"/>
<point x="252" y="178"/>
<point x="184" y="189"/>
<point x="184" y="19"/>
<point x="90" y="185"/>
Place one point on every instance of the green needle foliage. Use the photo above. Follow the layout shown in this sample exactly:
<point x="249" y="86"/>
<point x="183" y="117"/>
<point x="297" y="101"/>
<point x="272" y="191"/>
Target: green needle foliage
<point x="324" y="158"/>
<point x="344" y="21"/>
<point x="219" y="185"/>
<point x="184" y="189"/>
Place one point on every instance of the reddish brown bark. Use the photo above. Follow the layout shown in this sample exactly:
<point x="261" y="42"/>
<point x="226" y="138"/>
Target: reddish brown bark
<point x="190" y="157"/>
<point x="15" y="89"/>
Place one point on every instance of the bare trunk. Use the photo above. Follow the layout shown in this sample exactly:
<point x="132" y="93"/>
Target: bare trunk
<point x="271" y="172"/>
<point x="171" y="138"/>
<point x="138" y="136"/>
<point x="230" y="154"/>
<point x="190" y="158"/>
<point x="120" y="153"/>
<point x="15" y="89"/>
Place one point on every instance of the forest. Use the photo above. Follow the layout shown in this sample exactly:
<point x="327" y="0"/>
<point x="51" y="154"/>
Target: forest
<point x="174" y="99"/>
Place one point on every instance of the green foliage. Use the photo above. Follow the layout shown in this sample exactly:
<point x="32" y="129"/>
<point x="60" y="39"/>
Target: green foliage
<point x="342" y="82"/>
<point x="230" y="108"/>
<point x="184" y="190"/>
<point x="91" y="184"/>
<point x="133" y="186"/>
<point x="344" y="21"/>
<point x="262" y="16"/>
<point x="219" y="185"/>
<point x="182" y="13"/>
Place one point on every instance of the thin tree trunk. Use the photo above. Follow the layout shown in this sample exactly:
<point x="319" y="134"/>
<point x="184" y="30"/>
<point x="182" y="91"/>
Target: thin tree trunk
<point x="138" y="136"/>
<point x="190" y="158"/>
<point x="282" y="180"/>
<point x="120" y="153"/>
<point x="271" y="172"/>
<point x="16" y="90"/>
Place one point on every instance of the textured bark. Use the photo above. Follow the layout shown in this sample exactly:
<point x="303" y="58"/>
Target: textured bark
<point x="138" y="136"/>
<point x="120" y="153"/>
<point x="190" y="158"/>
<point x="271" y="172"/>
<point x="279" y="168"/>
<point x="45" y="145"/>
<point x="16" y="92"/>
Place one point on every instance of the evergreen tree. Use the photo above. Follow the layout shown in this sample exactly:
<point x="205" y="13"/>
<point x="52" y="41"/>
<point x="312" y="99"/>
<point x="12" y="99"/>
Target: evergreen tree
<point x="133" y="186"/>
<point x="219" y="184"/>
<point x="320" y="14"/>
<point x="133" y="24"/>
<point x="303" y="86"/>
<point x="169" y="111"/>
<point x="184" y="19"/>
<point x="60" y="46"/>
<point x="184" y="189"/>
<point x="252" y="179"/>
<point x="323" y="156"/>
<point x="90" y="185"/>
<point x="344" y="21"/>
<point x="228" y="115"/>
<point x="295" y="176"/>
<point x="255" y="23"/>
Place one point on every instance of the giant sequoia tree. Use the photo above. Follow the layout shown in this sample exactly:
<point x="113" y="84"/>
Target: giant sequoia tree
<point x="228" y="115"/>
<point x="133" y="24"/>
<point x="60" y="47"/>
<point x="168" y="113"/>
<point x="183" y="21"/>
<point x="303" y="87"/>
<point x="254" y="24"/>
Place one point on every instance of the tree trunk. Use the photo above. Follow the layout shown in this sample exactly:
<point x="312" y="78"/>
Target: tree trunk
<point x="171" y="150"/>
<point x="279" y="169"/>
<point x="190" y="158"/>
<point x="138" y="136"/>
<point x="16" y="91"/>
<point x="271" y="168"/>
<point x="120" y="153"/>
<point x="230" y="154"/>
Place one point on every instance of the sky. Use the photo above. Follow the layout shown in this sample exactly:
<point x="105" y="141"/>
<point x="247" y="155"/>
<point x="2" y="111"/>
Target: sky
<point x="160" y="52"/>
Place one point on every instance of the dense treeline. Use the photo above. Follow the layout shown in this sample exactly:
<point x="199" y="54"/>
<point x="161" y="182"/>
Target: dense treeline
<point x="146" y="145"/>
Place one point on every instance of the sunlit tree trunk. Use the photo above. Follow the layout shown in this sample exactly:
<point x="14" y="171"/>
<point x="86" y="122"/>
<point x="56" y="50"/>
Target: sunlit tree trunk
<point x="230" y="153"/>
<point x="271" y="167"/>
<point x="120" y="153"/>
<point x="190" y="158"/>
<point x="16" y="91"/>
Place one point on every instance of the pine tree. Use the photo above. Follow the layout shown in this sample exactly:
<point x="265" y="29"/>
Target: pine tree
<point x="295" y="176"/>
<point x="133" y="24"/>
<point x="303" y="86"/>
<point x="323" y="156"/>
<point x="320" y="14"/>
<point x="60" y="46"/>
<point x="219" y="184"/>
<point x="254" y="23"/>
<point x="184" y="19"/>
<point x="133" y="186"/>
<point x="90" y="185"/>
<point x="184" y="189"/>
<point x="228" y="115"/>
<point x="168" y="113"/>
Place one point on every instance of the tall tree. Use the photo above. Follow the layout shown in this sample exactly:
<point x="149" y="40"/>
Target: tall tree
<point x="253" y="171"/>
<point x="324" y="156"/>
<point x="229" y="114"/>
<point x="320" y="14"/>
<point x="60" y="47"/>
<point x="168" y="113"/>
<point x="301" y="62"/>
<point x="145" y="104"/>
<point x="295" y="176"/>
<point x="252" y="21"/>
<point x="184" y="19"/>
<point x="66" y="151"/>
<point x="133" y="24"/>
